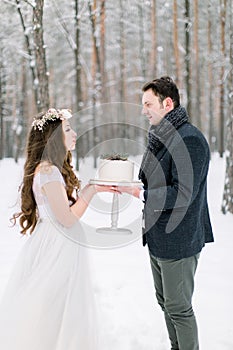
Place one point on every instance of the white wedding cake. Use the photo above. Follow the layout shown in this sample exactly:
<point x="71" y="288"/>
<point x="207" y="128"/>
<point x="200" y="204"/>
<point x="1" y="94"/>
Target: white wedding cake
<point x="116" y="170"/>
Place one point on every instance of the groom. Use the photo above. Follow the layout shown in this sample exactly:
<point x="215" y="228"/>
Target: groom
<point x="176" y="217"/>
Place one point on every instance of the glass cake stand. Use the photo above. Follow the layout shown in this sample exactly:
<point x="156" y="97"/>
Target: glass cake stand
<point x="113" y="229"/>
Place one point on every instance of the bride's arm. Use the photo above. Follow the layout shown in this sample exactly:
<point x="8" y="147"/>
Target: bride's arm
<point x="59" y="203"/>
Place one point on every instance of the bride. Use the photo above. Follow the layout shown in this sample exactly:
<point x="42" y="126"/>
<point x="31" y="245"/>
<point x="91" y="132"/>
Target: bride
<point x="48" y="303"/>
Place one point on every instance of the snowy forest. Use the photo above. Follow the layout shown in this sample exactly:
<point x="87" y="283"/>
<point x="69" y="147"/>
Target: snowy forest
<point x="93" y="56"/>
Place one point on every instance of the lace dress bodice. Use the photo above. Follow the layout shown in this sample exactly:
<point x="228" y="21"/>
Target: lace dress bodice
<point x="52" y="174"/>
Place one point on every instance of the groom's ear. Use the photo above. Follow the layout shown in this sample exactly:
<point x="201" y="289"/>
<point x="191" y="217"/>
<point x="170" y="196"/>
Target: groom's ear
<point x="168" y="104"/>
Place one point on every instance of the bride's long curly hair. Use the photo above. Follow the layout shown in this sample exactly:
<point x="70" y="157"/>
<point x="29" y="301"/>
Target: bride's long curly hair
<point x="44" y="145"/>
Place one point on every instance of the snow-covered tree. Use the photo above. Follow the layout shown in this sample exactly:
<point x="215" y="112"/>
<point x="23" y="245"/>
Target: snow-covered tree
<point x="133" y="42"/>
<point x="227" y="205"/>
<point x="36" y="49"/>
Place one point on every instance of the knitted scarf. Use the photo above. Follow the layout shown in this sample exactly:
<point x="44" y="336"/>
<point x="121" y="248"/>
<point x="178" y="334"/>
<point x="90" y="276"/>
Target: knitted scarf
<point x="157" y="138"/>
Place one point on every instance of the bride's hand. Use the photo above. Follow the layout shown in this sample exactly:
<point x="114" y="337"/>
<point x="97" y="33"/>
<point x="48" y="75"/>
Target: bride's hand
<point x="93" y="189"/>
<point x="106" y="188"/>
<point x="89" y="191"/>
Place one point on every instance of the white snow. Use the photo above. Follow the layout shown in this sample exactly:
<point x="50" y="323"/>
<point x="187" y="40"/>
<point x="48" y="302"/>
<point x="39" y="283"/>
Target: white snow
<point x="130" y="316"/>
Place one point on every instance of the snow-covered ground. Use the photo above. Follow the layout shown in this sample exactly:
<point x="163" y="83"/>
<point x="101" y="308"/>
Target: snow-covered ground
<point x="130" y="316"/>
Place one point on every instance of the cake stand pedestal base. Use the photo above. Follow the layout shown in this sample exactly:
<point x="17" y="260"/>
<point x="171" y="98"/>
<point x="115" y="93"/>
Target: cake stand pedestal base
<point x="115" y="208"/>
<point x="112" y="231"/>
<point x="114" y="220"/>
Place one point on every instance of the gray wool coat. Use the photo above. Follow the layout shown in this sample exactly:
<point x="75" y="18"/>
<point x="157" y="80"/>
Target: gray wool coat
<point x="176" y="215"/>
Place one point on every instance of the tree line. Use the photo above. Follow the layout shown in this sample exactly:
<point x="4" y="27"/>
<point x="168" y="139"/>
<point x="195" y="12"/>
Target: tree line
<point x="93" y="56"/>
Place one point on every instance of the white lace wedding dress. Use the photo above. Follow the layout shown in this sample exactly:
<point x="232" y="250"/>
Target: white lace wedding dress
<point x="48" y="303"/>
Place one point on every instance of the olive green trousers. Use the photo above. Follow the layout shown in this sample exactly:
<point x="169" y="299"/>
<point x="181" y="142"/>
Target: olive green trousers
<point x="174" y="285"/>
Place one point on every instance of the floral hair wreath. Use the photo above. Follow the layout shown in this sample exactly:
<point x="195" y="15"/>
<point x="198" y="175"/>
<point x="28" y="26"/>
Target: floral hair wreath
<point x="51" y="115"/>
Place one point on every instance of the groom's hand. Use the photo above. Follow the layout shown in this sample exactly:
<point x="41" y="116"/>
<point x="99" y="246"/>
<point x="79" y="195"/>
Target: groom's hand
<point x="131" y="190"/>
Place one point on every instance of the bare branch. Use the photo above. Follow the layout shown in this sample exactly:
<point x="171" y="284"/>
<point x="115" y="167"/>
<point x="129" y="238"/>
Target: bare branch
<point x="64" y="28"/>
<point x="10" y="2"/>
<point x="29" y="3"/>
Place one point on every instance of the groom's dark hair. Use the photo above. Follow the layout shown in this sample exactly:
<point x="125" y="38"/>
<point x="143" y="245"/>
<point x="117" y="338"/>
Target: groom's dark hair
<point x="164" y="87"/>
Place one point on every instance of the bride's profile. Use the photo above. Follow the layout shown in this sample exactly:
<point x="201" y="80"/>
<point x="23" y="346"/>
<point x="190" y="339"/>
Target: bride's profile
<point x="48" y="303"/>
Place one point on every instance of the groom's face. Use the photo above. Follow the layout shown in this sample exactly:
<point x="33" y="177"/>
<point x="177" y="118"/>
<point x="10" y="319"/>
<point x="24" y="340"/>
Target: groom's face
<point x="153" y="108"/>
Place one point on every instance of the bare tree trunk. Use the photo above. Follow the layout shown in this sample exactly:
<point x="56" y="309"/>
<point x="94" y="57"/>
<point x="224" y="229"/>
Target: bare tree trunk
<point x="188" y="57"/>
<point x="176" y="44"/>
<point x="197" y="104"/>
<point x="122" y="82"/>
<point x="19" y="127"/>
<point x="210" y="81"/>
<point x="96" y="67"/>
<point x="96" y="75"/>
<point x="102" y="50"/>
<point x="122" y="54"/>
<point x="40" y="56"/>
<point x="30" y="52"/>
<point x="2" y="102"/>
<point x="142" y="42"/>
<point x="78" y="71"/>
<point x="222" y="89"/>
<point x="227" y="205"/>
<point x="78" y="68"/>
<point x="153" y="58"/>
